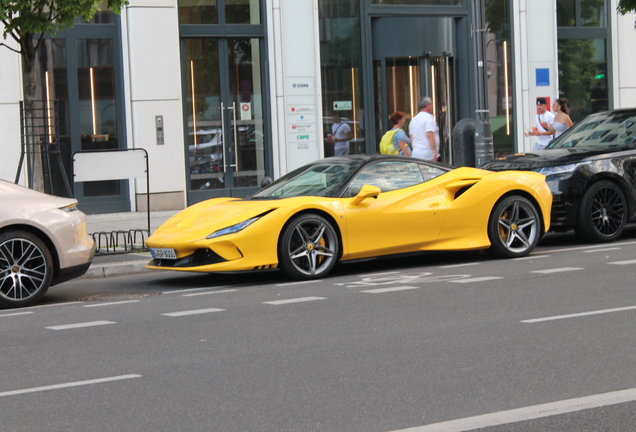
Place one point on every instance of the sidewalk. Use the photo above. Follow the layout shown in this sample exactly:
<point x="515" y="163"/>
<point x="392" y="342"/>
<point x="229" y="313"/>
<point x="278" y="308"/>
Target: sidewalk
<point x="108" y="265"/>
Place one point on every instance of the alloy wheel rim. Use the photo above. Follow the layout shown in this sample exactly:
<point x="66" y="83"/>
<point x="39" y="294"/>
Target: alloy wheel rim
<point x="518" y="227"/>
<point x="311" y="247"/>
<point x="607" y="212"/>
<point x="23" y="269"/>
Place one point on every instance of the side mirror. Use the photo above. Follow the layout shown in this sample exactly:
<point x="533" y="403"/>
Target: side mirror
<point x="266" y="181"/>
<point x="366" y="191"/>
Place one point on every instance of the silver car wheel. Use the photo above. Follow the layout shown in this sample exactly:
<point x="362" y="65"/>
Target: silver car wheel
<point x="514" y="229"/>
<point x="25" y="269"/>
<point x="309" y="247"/>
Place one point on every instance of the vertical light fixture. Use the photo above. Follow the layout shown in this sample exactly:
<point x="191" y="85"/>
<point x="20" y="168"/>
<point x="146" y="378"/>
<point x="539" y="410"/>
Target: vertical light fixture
<point x="93" y="102"/>
<point x="505" y="62"/>
<point x="48" y="107"/>
<point x="194" y="105"/>
<point x="353" y="97"/>
<point x="433" y="90"/>
<point x="411" y="87"/>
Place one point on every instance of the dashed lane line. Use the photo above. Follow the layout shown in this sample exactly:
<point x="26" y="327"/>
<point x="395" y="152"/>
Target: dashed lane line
<point x="529" y="257"/>
<point x="209" y="292"/>
<point x="192" y="312"/>
<point x="295" y="300"/>
<point x="529" y="413"/>
<point x="67" y="385"/>
<point x="15" y="314"/>
<point x="391" y="289"/>
<point x="296" y="283"/>
<point x="602" y="250"/>
<point x="623" y="262"/>
<point x="580" y="314"/>
<point x="80" y="325"/>
<point x="111" y="303"/>
<point x="460" y="265"/>
<point x="476" y="279"/>
<point x="557" y="270"/>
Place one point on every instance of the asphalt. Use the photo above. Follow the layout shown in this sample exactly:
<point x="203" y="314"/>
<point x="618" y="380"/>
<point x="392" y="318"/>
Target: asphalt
<point x="129" y="230"/>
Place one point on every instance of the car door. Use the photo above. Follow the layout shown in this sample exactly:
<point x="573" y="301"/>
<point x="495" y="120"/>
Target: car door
<point x="407" y="214"/>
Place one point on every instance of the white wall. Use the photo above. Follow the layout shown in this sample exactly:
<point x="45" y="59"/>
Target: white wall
<point x="623" y="59"/>
<point x="153" y="76"/>
<point x="10" y="97"/>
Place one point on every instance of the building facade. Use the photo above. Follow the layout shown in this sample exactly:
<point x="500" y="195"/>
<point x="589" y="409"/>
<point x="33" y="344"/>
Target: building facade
<point x="221" y="93"/>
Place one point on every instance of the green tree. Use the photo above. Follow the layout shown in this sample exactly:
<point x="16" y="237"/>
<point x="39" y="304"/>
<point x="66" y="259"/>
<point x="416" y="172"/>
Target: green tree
<point x="28" y="21"/>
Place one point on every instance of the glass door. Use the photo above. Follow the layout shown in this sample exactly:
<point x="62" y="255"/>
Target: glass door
<point x="401" y="81"/>
<point x="225" y="116"/>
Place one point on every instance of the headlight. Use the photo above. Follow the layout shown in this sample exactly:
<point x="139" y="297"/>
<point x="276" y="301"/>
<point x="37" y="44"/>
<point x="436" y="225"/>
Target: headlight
<point x="562" y="169"/>
<point x="69" y="208"/>
<point x="234" y="228"/>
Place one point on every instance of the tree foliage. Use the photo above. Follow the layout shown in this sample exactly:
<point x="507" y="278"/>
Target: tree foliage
<point x="626" y="6"/>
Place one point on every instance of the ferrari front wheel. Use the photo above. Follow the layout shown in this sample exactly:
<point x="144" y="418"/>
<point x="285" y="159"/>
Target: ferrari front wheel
<point x="514" y="228"/>
<point x="308" y="247"/>
<point x="26" y="269"/>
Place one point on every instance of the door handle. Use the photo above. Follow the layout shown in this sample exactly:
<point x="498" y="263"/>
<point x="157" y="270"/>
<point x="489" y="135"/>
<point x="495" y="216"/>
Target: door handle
<point x="223" y="154"/>
<point x="233" y="108"/>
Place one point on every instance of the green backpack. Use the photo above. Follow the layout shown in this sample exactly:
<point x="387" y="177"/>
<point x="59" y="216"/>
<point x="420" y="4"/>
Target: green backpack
<point x="386" y="144"/>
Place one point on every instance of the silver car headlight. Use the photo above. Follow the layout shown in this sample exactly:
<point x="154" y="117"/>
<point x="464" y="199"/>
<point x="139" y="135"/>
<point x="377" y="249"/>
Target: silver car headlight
<point x="561" y="169"/>
<point x="234" y="228"/>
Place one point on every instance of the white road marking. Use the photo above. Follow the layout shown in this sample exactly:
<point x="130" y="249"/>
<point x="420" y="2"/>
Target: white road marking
<point x="66" y="385"/>
<point x="391" y="289"/>
<point x="379" y="274"/>
<point x="529" y="257"/>
<point x="208" y="292"/>
<point x="528" y="413"/>
<point x="460" y="265"/>
<point x="623" y="262"/>
<point x="557" y="270"/>
<point x="80" y="325"/>
<point x="296" y="300"/>
<point x="602" y="250"/>
<point x="598" y="312"/>
<point x="587" y="247"/>
<point x="15" y="314"/>
<point x="189" y="290"/>
<point x="192" y="312"/>
<point x="296" y="283"/>
<point x="476" y="279"/>
<point x="56" y="304"/>
<point x="112" y="303"/>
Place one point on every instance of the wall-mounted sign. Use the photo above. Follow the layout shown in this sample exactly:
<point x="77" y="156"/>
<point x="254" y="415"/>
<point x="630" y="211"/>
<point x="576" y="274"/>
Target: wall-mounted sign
<point x="300" y="86"/>
<point x="542" y="77"/>
<point x="342" y="106"/>
<point x="246" y="111"/>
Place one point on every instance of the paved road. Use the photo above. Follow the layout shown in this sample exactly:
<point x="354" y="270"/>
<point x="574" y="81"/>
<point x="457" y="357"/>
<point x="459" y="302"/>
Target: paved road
<point x="428" y="342"/>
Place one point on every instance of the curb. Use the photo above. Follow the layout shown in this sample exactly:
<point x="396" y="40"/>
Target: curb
<point x="115" y="269"/>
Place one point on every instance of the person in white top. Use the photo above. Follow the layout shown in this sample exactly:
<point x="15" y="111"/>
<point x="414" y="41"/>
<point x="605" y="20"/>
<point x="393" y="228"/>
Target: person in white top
<point x="341" y="136"/>
<point x="562" y="120"/>
<point x="543" y="130"/>
<point x="424" y="132"/>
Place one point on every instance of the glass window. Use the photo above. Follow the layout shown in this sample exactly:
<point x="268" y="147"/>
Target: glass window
<point x="341" y="59"/>
<point x="566" y="13"/>
<point x="583" y="76"/>
<point x="97" y="109"/>
<point x="388" y="176"/>
<point x="242" y="11"/>
<point x="499" y="69"/>
<point x="593" y="13"/>
<point x="198" y="12"/>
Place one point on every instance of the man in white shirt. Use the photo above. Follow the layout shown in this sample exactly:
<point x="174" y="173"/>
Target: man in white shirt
<point x="424" y="132"/>
<point x="341" y="135"/>
<point x="543" y="129"/>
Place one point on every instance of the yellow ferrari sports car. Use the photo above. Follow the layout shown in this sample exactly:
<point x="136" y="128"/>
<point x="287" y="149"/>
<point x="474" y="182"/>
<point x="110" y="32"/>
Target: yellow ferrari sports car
<point x="346" y="208"/>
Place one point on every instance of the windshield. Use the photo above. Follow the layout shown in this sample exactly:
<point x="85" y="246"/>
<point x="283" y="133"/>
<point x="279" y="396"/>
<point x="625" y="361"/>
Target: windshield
<point x="322" y="178"/>
<point x="600" y="131"/>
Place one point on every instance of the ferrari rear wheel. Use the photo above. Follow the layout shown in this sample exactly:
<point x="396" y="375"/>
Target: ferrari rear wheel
<point x="602" y="213"/>
<point x="26" y="268"/>
<point x="308" y="247"/>
<point x="514" y="228"/>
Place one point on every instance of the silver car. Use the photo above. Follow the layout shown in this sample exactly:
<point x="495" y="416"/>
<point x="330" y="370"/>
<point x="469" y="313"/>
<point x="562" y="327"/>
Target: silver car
<point x="43" y="242"/>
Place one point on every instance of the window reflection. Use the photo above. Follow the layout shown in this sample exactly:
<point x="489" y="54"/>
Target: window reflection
<point x="198" y="12"/>
<point x="242" y="11"/>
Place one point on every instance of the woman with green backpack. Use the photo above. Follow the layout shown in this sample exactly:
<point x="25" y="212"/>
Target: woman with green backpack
<point x="396" y="141"/>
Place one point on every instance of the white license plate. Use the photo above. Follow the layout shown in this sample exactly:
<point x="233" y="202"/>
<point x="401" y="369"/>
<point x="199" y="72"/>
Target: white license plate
<point x="163" y="253"/>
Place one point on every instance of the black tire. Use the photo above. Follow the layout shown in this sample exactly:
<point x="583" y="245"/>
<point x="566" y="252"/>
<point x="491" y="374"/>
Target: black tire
<point x="602" y="213"/>
<point x="308" y="247"/>
<point x="26" y="269"/>
<point x="514" y="228"/>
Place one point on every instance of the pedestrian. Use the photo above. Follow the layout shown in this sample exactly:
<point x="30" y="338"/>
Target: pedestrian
<point x="341" y="133"/>
<point x="562" y="120"/>
<point x="543" y="130"/>
<point x="395" y="141"/>
<point x="424" y="132"/>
